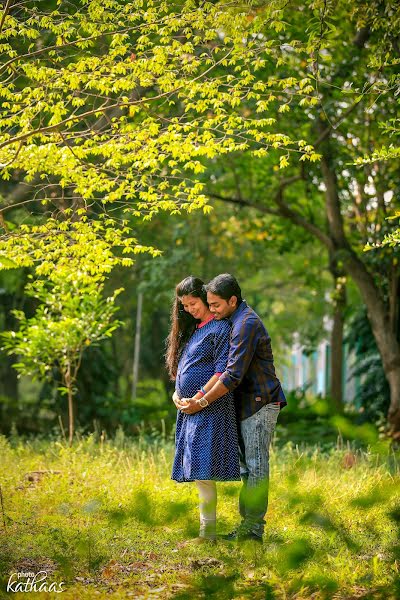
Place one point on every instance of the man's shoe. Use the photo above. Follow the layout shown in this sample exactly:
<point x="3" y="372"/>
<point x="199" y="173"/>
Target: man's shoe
<point x="241" y="534"/>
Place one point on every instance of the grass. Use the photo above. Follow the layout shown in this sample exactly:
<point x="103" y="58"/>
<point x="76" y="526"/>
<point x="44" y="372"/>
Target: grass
<point x="105" y="518"/>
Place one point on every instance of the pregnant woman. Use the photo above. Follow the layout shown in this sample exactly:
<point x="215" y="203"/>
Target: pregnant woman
<point x="206" y="442"/>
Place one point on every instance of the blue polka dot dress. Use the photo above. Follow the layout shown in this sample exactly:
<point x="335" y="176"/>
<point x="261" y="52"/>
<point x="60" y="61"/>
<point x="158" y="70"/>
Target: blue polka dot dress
<point x="207" y="441"/>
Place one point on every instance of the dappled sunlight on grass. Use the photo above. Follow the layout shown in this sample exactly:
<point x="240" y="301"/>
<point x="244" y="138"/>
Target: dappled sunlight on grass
<point x="106" y="519"/>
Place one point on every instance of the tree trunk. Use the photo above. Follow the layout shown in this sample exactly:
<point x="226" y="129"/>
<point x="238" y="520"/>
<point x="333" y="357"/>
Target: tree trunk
<point x="68" y="385"/>
<point x="394" y="296"/>
<point x="8" y="375"/>
<point x="70" y="417"/>
<point x="385" y="337"/>
<point x="394" y="409"/>
<point x="136" y="356"/>
<point x="8" y="378"/>
<point x="337" y="360"/>
<point x="378" y="310"/>
<point x="336" y="365"/>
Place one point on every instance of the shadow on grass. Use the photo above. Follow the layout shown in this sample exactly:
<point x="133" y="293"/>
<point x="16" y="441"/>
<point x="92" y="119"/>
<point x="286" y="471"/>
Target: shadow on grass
<point x="149" y="512"/>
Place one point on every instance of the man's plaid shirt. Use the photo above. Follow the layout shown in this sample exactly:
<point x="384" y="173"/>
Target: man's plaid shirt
<point x="250" y="372"/>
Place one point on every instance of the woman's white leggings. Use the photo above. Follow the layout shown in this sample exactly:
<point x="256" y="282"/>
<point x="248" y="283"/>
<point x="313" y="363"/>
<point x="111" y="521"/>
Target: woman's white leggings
<point x="208" y="508"/>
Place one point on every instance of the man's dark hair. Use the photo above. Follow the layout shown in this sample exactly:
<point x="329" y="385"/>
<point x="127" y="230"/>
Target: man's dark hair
<point x="225" y="286"/>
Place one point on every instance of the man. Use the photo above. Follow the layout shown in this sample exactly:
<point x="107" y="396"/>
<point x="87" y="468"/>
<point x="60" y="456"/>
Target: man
<point x="250" y="374"/>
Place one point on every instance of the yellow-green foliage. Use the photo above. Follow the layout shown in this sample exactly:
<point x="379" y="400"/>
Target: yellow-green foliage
<point x="123" y="100"/>
<point x="105" y="518"/>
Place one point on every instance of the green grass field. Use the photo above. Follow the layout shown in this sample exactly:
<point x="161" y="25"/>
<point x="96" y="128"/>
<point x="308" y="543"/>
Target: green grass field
<point x="105" y="518"/>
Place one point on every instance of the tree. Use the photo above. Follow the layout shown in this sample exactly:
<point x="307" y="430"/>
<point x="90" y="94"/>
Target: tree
<point x="341" y="204"/>
<point x="73" y="261"/>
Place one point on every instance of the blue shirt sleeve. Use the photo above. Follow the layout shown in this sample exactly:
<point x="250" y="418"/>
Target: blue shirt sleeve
<point x="221" y="346"/>
<point x="244" y="340"/>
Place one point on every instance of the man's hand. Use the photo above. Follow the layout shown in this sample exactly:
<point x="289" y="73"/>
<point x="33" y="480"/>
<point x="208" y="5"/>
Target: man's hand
<point x="189" y="406"/>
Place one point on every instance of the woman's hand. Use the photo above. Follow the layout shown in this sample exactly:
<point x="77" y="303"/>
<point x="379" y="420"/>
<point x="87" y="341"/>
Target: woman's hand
<point x="176" y="400"/>
<point x="189" y="406"/>
<point x="180" y="403"/>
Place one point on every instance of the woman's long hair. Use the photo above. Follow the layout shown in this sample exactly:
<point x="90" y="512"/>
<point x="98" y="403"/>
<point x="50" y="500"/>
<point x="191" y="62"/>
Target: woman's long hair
<point x="182" y="323"/>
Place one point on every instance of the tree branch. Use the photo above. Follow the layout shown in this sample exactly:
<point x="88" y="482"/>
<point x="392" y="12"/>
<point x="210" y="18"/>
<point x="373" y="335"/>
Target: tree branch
<point x="5" y="12"/>
<point x="333" y="126"/>
<point x="334" y="215"/>
<point x="283" y="210"/>
<point x="105" y="107"/>
<point x="19" y="193"/>
<point x="286" y="211"/>
<point x="242" y="202"/>
<point x="359" y="41"/>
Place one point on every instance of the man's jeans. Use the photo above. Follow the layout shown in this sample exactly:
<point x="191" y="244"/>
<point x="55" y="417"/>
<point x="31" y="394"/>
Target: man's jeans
<point x="254" y="442"/>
